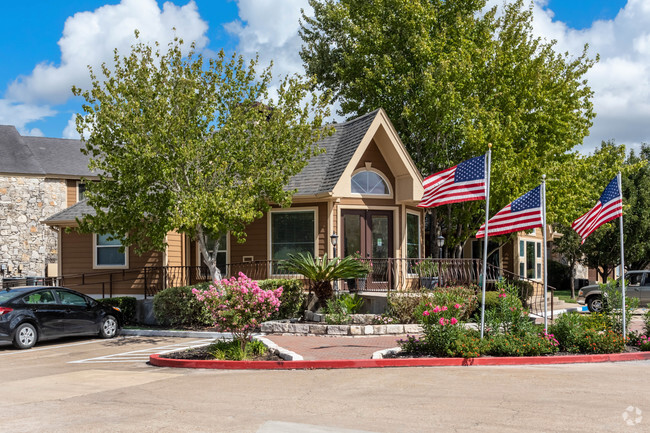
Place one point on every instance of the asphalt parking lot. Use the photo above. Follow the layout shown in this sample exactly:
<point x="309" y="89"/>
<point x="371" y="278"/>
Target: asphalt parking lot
<point x="92" y="385"/>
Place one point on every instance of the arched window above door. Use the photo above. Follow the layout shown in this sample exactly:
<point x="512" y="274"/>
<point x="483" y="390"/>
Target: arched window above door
<point x="369" y="182"/>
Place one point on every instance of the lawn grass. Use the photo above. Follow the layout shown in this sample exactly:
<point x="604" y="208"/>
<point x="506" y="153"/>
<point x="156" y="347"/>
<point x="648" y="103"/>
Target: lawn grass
<point x="565" y="295"/>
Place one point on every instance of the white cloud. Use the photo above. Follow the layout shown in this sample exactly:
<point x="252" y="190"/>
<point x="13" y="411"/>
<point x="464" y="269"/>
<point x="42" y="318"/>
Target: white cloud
<point x="70" y="130"/>
<point x="90" y="37"/>
<point x="621" y="79"/>
<point x="20" y="115"/>
<point x="270" y="28"/>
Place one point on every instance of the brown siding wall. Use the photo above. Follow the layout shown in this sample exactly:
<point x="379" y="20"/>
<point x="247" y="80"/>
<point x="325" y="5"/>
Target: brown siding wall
<point x="71" y="187"/>
<point x="175" y="253"/>
<point x="374" y="156"/>
<point x="77" y="258"/>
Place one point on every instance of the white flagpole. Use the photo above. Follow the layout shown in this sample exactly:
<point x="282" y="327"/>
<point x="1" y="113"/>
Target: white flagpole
<point x="545" y="253"/>
<point x="485" y="238"/>
<point x="622" y="273"/>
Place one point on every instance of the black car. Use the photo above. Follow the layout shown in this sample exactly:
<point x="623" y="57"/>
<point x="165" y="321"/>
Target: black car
<point x="36" y="313"/>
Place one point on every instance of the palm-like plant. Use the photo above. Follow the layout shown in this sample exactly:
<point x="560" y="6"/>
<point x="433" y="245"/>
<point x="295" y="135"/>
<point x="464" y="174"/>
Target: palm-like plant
<point x="322" y="271"/>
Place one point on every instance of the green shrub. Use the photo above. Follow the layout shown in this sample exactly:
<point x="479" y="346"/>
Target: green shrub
<point x="646" y="322"/>
<point x="578" y="333"/>
<point x="462" y="295"/>
<point x="230" y="350"/>
<point x="292" y="301"/>
<point x="467" y="344"/>
<point x="178" y="306"/>
<point x="613" y="306"/>
<point x="336" y="313"/>
<point x="525" y="344"/>
<point x="351" y="303"/>
<point x="403" y="306"/>
<point x="509" y="315"/>
<point x="126" y="304"/>
<point x="491" y="300"/>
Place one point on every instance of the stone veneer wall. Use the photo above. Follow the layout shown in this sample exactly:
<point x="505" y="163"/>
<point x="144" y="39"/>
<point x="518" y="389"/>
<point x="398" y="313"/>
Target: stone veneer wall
<point x="24" y="240"/>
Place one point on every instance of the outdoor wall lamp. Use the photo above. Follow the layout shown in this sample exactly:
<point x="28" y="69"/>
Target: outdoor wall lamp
<point x="334" y="239"/>
<point x="440" y="241"/>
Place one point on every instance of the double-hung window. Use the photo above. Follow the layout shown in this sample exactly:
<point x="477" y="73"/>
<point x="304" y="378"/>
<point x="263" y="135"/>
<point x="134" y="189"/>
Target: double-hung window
<point x="107" y="253"/>
<point x="292" y="232"/>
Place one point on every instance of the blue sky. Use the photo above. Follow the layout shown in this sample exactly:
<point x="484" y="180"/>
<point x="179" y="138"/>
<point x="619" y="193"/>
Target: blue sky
<point x="39" y="62"/>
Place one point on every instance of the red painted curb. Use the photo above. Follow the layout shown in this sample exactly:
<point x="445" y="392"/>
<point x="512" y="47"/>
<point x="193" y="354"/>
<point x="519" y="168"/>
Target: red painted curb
<point x="395" y="362"/>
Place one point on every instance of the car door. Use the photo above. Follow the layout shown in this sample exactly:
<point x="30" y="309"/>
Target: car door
<point x="634" y="286"/>
<point x="47" y="312"/>
<point x="78" y="315"/>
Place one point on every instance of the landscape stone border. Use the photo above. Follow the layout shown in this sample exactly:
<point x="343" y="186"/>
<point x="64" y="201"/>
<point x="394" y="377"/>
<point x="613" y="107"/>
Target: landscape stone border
<point x="285" y="327"/>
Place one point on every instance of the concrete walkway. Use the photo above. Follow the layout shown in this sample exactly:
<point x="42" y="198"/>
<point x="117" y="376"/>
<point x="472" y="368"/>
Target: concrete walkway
<point x="322" y="347"/>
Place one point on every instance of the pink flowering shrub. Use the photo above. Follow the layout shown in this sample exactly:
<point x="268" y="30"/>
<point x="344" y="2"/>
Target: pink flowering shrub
<point x="239" y="306"/>
<point x="441" y="326"/>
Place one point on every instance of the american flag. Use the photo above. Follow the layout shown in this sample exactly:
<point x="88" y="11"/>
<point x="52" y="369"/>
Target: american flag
<point x="462" y="182"/>
<point x="609" y="207"/>
<point x="522" y="214"/>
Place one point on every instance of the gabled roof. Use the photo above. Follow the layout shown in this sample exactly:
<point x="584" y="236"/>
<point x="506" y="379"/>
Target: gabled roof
<point x="324" y="170"/>
<point x="69" y="216"/>
<point x="40" y="156"/>
<point x="15" y="156"/>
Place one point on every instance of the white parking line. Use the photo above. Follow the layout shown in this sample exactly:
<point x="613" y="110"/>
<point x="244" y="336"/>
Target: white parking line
<point x="142" y="355"/>
<point x="22" y="352"/>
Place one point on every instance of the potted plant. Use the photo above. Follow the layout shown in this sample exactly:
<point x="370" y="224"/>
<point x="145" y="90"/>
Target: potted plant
<point x="429" y="272"/>
<point x="359" y="283"/>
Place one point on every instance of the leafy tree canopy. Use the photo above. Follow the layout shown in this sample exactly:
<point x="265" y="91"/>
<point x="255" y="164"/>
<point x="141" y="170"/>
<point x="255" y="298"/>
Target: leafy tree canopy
<point x="191" y="144"/>
<point x="602" y="249"/>
<point x="453" y="78"/>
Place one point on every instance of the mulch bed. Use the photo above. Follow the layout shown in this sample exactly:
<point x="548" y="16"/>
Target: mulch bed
<point x="201" y="353"/>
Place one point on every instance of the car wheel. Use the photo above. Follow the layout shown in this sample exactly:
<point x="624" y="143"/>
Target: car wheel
<point x="109" y="327"/>
<point x="595" y="304"/>
<point x="25" y="336"/>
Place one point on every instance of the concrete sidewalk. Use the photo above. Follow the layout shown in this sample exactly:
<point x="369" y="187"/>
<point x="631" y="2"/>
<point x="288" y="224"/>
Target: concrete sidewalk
<point x="319" y="347"/>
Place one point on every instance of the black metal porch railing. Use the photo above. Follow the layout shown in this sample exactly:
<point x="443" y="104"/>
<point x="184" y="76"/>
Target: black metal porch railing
<point x="386" y="275"/>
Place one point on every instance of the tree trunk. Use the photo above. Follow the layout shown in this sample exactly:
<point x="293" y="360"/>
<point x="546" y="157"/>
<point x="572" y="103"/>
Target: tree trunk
<point x="209" y="259"/>
<point x="572" y="285"/>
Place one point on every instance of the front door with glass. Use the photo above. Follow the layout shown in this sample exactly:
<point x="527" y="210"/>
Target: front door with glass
<point x="369" y="233"/>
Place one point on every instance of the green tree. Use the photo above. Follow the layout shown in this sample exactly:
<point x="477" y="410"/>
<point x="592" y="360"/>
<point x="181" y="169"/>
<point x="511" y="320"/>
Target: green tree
<point x="191" y="144"/>
<point x="601" y="250"/>
<point x="453" y="79"/>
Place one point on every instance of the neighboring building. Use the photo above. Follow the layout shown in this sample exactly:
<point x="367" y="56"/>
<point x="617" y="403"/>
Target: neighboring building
<point x="365" y="188"/>
<point x="38" y="178"/>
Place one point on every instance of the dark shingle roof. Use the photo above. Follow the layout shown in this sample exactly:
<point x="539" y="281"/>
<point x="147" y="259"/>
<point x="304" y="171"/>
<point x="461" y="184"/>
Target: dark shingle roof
<point x="52" y="157"/>
<point x="70" y="214"/>
<point x="15" y="156"/>
<point x="324" y="170"/>
<point x="59" y="156"/>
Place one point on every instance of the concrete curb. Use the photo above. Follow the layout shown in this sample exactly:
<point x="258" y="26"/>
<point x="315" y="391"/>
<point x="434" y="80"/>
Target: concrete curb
<point x="166" y="333"/>
<point x="396" y="362"/>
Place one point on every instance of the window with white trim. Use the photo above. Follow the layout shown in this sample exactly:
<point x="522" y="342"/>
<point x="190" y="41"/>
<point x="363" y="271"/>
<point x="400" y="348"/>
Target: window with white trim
<point x="292" y="233"/>
<point x="412" y="236"/>
<point x="369" y="183"/>
<point x="108" y="254"/>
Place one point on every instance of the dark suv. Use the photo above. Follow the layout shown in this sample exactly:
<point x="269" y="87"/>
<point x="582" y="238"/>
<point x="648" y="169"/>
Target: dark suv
<point x="637" y="286"/>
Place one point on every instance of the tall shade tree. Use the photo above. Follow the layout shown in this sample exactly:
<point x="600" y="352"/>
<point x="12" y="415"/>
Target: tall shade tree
<point x="601" y="249"/>
<point x="193" y="145"/>
<point x="454" y="77"/>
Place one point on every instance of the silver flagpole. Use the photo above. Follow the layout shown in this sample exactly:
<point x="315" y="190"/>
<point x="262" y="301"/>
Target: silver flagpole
<point x="545" y="253"/>
<point x="622" y="276"/>
<point x="485" y="238"/>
